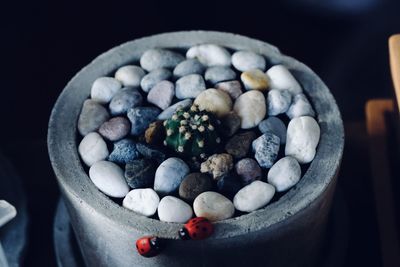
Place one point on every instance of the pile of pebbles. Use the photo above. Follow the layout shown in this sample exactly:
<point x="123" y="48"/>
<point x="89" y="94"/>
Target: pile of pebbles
<point x="265" y="130"/>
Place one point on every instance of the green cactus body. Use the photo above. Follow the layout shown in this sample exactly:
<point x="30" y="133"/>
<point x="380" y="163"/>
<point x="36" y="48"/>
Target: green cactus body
<point x="192" y="132"/>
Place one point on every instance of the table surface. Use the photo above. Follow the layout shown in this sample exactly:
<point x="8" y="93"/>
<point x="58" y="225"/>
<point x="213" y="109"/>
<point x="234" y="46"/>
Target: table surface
<point x="48" y="42"/>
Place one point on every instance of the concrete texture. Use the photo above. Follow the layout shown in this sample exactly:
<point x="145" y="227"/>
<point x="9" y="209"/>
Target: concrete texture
<point x="288" y="232"/>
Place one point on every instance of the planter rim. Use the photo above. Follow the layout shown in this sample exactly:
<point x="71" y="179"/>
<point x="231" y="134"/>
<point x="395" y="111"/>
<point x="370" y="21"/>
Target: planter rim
<point x="72" y="178"/>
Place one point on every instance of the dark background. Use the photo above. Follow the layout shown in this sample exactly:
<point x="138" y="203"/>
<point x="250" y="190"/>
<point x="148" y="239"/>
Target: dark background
<point x="43" y="44"/>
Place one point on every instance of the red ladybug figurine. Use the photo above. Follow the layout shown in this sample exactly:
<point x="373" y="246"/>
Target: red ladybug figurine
<point x="149" y="246"/>
<point x="197" y="229"/>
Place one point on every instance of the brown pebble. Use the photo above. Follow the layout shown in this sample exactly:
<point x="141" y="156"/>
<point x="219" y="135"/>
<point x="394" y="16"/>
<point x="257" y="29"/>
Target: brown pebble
<point x="239" y="145"/>
<point x="155" y="133"/>
<point x="194" y="184"/>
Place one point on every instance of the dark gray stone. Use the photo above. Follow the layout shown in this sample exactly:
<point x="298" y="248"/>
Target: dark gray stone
<point x="154" y="77"/>
<point x="140" y="173"/>
<point x="141" y="117"/>
<point x="274" y="125"/>
<point x="248" y="170"/>
<point x="229" y="184"/>
<point x="239" y="145"/>
<point x="194" y="184"/>
<point x="124" y="100"/>
<point x="92" y="116"/>
<point x="150" y="153"/>
<point x="266" y="149"/>
<point x="230" y="124"/>
<point x="218" y="74"/>
<point x="189" y="66"/>
<point x="124" y="151"/>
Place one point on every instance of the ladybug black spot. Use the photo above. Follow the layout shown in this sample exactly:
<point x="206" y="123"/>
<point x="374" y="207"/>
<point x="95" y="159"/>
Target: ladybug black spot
<point x="197" y="227"/>
<point x="204" y="229"/>
<point x="142" y="250"/>
<point x="194" y="235"/>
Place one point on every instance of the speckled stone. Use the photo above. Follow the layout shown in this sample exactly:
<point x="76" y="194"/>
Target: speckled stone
<point x="193" y="185"/>
<point x="233" y="88"/>
<point x="274" y="125"/>
<point x="266" y="148"/>
<point x="213" y="206"/>
<point x="92" y="116"/>
<point x="104" y="88"/>
<point x="115" y="129"/>
<point x="214" y="101"/>
<point x="141" y="117"/>
<point x="284" y="174"/>
<point x="166" y="114"/>
<point x="230" y="124"/>
<point x="251" y="108"/>
<point x="239" y="145"/>
<point x="248" y="60"/>
<point x="174" y="210"/>
<point x="189" y="86"/>
<point x="278" y="101"/>
<point x="155" y="134"/>
<point x="189" y="66"/>
<point x="130" y="75"/>
<point x="248" y="170"/>
<point x="139" y="173"/>
<point x="217" y="165"/>
<point x="210" y="55"/>
<point x="92" y="148"/>
<point x="150" y="152"/>
<point x="154" y="77"/>
<point x="124" y="151"/>
<point x="255" y="80"/>
<point x="160" y="58"/>
<point x="253" y="196"/>
<point x="169" y="175"/>
<point x="142" y="201"/>
<point x="218" y="74"/>
<point x="161" y="94"/>
<point x="280" y="78"/>
<point x="124" y="100"/>
<point x="300" y="107"/>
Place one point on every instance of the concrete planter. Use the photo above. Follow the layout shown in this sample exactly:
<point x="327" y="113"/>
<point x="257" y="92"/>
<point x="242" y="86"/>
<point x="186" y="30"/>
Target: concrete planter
<point x="285" y="233"/>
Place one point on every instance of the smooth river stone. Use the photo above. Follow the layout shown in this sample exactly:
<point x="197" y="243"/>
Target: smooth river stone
<point x="194" y="184"/>
<point x="233" y="88"/>
<point x="104" y="88"/>
<point x="280" y="78"/>
<point x="266" y="148"/>
<point x="161" y="94"/>
<point x="141" y="117"/>
<point x="169" y="175"/>
<point x="210" y="55"/>
<point x="248" y="170"/>
<point x="167" y="114"/>
<point x="160" y="58"/>
<point x="278" y="101"/>
<point x="115" y="129"/>
<point x="255" y="80"/>
<point x="92" y="116"/>
<point x="284" y="174"/>
<point x="213" y="206"/>
<point x="92" y="148"/>
<point x="274" y="125"/>
<point x="302" y="139"/>
<point x="174" y="210"/>
<point x="214" y="101"/>
<point x="109" y="179"/>
<point x="143" y="201"/>
<point x="189" y="86"/>
<point x="218" y="74"/>
<point x="130" y="75"/>
<point x="251" y="108"/>
<point x="124" y="100"/>
<point x="189" y="66"/>
<point x="253" y="196"/>
<point x="248" y="60"/>
<point x="154" y="77"/>
<point x="300" y="107"/>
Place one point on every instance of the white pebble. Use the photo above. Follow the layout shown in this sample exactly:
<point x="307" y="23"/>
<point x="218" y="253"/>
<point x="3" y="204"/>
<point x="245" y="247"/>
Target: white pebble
<point x="280" y="78"/>
<point x="278" y="101"/>
<point x="284" y="174"/>
<point x="92" y="148"/>
<point x="109" y="179"/>
<point x="213" y="206"/>
<point x="104" y="88"/>
<point x="130" y="75"/>
<point x="247" y="60"/>
<point x="302" y="139"/>
<point x="251" y="108"/>
<point x="143" y="201"/>
<point x="210" y="55"/>
<point x="253" y="196"/>
<point x="215" y="101"/>
<point x="172" y="209"/>
<point x="300" y="107"/>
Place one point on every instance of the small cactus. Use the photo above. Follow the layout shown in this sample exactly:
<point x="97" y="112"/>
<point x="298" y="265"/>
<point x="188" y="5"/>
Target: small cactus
<point x="192" y="132"/>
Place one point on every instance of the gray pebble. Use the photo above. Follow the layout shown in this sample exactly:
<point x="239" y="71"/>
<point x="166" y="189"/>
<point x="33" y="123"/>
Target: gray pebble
<point x="300" y="107"/>
<point x="189" y="86"/>
<point x="247" y="60"/>
<point x="232" y="88"/>
<point x="161" y="94"/>
<point x="130" y="75"/>
<point x="141" y="117"/>
<point x="92" y="116"/>
<point x="140" y="173"/>
<point x="274" y="125"/>
<point x="278" y="101"/>
<point x="154" y="77"/>
<point x="266" y="148"/>
<point x="160" y="58"/>
<point x="218" y="74"/>
<point x="166" y="114"/>
<point x="193" y="185"/>
<point x="149" y="152"/>
<point x="189" y="66"/>
<point x="124" y="100"/>
<point x="239" y="145"/>
<point x="124" y="151"/>
<point x="248" y="170"/>
<point x="169" y="175"/>
<point x="115" y="128"/>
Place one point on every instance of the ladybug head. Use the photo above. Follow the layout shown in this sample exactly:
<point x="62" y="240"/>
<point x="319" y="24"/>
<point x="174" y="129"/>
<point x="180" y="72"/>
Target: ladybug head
<point x="183" y="234"/>
<point x="156" y="243"/>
